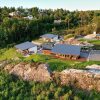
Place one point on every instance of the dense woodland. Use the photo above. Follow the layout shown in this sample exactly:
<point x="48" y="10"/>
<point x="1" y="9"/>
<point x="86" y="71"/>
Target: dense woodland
<point x="17" y="29"/>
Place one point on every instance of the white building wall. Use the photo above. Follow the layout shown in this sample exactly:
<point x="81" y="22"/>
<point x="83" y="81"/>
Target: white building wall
<point x="33" y="49"/>
<point x="44" y="39"/>
<point x="30" y="17"/>
<point x="12" y="14"/>
<point x="55" y="38"/>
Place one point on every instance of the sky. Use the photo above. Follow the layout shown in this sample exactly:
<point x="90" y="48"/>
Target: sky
<point x="54" y="4"/>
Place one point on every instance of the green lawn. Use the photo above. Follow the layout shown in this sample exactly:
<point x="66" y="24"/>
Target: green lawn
<point x="55" y="64"/>
<point x="59" y="65"/>
<point x="7" y="54"/>
<point x="95" y="42"/>
<point x="38" y="58"/>
<point x="69" y="36"/>
<point x="39" y="40"/>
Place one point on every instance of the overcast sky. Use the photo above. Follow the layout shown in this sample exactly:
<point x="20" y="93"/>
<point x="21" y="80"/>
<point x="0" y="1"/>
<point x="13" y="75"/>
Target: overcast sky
<point x="54" y="4"/>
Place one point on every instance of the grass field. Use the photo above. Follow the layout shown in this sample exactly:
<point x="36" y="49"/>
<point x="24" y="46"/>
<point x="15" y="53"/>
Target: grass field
<point x="7" y="54"/>
<point x="55" y="64"/>
<point x="95" y="42"/>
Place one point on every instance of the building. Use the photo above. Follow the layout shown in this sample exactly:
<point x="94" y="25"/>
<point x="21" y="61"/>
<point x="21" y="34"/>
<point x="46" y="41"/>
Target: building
<point x="26" y="48"/>
<point x="57" y="21"/>
<point x="16" y="13"/>
<point x="98" y="36"/>
<point x="30" y="17"/>
<point x="50" y="37"/>
<point x="90" y="36"/>
<point x="12" y="14"/>
<point x="93" y="36"/>
<point x="94" y="55"/>
<point x="47" y="47"/>
<point x="66" y="51"/>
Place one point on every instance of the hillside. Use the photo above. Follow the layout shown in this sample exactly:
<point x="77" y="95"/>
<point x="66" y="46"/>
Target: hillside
<point x="25" y="75"/>
<point x="11" y="84"/>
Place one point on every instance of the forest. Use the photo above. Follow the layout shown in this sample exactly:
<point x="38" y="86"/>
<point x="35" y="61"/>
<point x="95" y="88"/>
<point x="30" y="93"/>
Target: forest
<point x="17" y="29"/>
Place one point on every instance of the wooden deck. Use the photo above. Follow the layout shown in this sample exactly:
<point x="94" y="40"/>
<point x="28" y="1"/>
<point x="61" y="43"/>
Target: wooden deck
<point x="79" y="59"/>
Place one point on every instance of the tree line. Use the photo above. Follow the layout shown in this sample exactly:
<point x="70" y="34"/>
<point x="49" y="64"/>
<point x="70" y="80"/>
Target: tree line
<point x="16" y="29"/>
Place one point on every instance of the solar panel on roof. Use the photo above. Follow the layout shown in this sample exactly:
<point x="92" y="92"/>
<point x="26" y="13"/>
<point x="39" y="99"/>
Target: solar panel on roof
<point x="94" y="55"/>
<point x="49" y="36"/>
<point x="66" y="49"/>
<point x="48" y="46"/>
<point x="25" y="45"/>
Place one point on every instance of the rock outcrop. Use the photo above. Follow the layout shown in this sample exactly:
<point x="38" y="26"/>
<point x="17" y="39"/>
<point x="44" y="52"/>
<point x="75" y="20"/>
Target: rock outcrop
<point x="87" y="79"/>
<point x="4" y="63"/>
<point x="84" y="79"/>
<point x="93" y="67"/>
<point x="36" y="72"/>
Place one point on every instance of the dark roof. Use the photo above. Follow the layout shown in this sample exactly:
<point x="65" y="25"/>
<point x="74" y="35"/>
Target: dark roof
<point x="66" y="49"/>
<point x="25" y="45"/>
<point x="48" y="46"/>
<point x="50" y="36"/>
<point x="97" y="34"/>
<point x="94" y="55"/>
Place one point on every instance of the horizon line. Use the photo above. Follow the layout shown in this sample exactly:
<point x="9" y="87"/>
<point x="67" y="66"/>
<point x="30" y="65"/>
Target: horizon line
<point x="51" y="8"/>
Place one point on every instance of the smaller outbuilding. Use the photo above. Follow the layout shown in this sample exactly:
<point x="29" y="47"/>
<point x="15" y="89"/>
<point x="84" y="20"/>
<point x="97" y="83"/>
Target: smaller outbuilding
<point x="98" y="36"/>
<point x="57" y="21"/>
<point x="15" y="13"/>
<point x="49" y="37"/>
<point x="30" y="17"/>
<point x="94" y="55"/>
<point x="47" y="47"/>
<point x="26" y="48"/>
